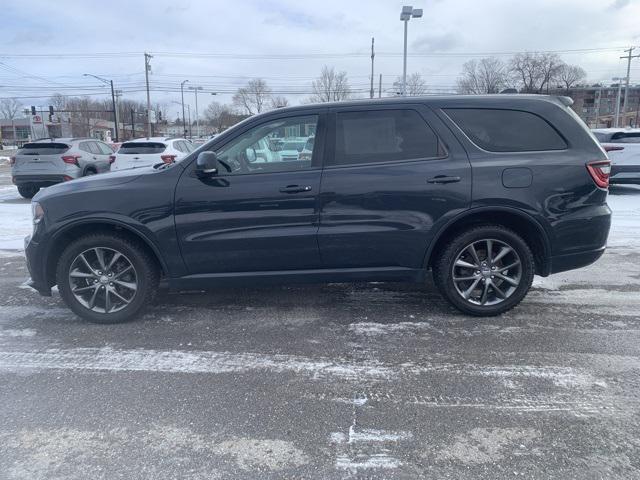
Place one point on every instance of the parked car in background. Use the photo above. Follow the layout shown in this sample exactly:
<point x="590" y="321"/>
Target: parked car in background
<point x="46" y="162"/>
<point x="481" y="191"/>
<point x="143" y="152"/>
<point x="623" y="147"/>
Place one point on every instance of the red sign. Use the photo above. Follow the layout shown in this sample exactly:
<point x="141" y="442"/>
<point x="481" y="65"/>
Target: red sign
<point x="37" y="119"/>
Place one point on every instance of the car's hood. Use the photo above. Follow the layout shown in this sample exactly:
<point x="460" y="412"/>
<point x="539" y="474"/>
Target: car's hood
<point x="95" y="181"/>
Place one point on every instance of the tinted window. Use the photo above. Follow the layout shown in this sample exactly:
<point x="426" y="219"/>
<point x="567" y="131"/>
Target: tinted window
<point x="104" y="148"/>
<point x="383" y="136"/>
<point x="43" y="149"/>
<point x="626" y="138"/>
<point x="84" y="146"/>
<point x="142" y="148"/>
<point x="94" y="148"/>
<point x="506" y="130"/>
<point x="601" y="137"/>
<point x="259" y="149"/>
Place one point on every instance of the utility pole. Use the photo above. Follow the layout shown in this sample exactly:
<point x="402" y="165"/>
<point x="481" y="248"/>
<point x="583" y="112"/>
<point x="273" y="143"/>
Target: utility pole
<point x="184" y="120"/>
<point x="617" y="118"/>
<point x="147" y="68"/>
<point x="380" y="87"/>
<point x="626" y="88"/>
<point x="118" y="94"/>
<point x="195" y="89"/>
<point x="133" y="124"/>
<point x="373" y="54"/>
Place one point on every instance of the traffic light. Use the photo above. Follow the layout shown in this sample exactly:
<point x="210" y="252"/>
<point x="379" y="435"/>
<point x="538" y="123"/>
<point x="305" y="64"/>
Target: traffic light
<point x="50" y="109"/>
<point x="33" y="110"/>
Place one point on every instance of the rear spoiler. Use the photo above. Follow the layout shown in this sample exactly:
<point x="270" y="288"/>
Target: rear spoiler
<point x="566" y="101"/>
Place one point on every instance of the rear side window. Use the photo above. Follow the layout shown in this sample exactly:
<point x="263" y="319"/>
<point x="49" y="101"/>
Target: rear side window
<point x="94" y="148"/>
<point x="142" y="148"/>
<point x="104" y="148"/>
<point x="506" y="130"/>
<point x="43" y="149"/>
<point x="384" y="136"/>
<point x="626" y="138"/>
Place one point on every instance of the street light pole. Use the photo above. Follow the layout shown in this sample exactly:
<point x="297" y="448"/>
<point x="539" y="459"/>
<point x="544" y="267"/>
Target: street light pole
<point x="195" y="89"/>
<point x="184" y="120"/>
<point x="407" y="13"/>
<point x="113" y="100"/>
<point x="404" y="61"/>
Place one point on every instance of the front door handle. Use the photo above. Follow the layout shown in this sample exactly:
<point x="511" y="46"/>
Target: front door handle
<point x="295" y="189"/>
<point x="443" y="179"/>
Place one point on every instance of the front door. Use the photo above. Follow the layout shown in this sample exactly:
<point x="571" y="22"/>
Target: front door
<point x="393" y="174"/>
<point x="260" y="212"/>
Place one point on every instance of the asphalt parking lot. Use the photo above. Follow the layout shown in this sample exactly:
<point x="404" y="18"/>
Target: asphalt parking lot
<point x="332" y="381"/>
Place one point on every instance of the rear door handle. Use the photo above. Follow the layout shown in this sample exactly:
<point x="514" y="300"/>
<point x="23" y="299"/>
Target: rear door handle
<point x="443" y="179"/>
<point x="295" y="189"/>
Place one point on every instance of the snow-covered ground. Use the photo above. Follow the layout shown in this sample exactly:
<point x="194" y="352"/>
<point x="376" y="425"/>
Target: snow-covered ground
<point x="15" y="218"/>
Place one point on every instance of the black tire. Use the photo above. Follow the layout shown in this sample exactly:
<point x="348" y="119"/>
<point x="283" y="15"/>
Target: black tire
<point x="145" y="267"/>
<point x="28" y="190"/>
<point x="443" y="269"/>
<point x="89" y="172"/>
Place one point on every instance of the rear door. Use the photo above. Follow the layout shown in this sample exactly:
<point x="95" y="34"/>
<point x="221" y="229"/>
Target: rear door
<point x="40" y="158"/>
<point x="392" y="175"/>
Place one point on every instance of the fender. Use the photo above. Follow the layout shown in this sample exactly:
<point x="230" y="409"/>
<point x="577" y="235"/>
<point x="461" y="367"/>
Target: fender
<point x="128" y="225"/>
<point x="474" y="211"/>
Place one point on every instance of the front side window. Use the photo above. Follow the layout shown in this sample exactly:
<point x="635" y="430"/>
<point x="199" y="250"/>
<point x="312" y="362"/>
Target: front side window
<point x="497" y="130"/>
<point x="270" y="147"/>
<point x="384" y="136"/>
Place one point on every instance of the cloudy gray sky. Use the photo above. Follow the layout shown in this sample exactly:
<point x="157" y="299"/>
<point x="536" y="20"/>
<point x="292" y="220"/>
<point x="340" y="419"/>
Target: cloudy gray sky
<point x="220" y="44"/>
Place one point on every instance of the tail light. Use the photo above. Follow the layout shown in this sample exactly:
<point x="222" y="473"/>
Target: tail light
<point x="66" y="178"/>
<point x="112" y="158"/>
<point x="71" y="159"/>
<point x="612" y="148"/>
<point x="600" y="171"/>
<point x="168" y="158"/>
<point x="12" y="161"/>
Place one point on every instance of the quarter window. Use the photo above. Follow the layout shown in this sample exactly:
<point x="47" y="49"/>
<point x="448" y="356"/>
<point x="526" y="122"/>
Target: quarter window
<point x="270" y="147"/>
<point x="506" y="130"/>
<point x="383" y="136"/>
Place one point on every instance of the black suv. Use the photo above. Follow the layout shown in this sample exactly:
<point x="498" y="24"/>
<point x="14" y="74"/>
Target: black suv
<point x="484" y="191"/>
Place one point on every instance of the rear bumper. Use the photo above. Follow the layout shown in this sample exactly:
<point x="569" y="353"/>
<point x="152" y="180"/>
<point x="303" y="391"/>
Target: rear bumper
<point x="562" y="263"/>
<point x="36" y="266"/>
<point x="39" y="179"/>
<point x="625" y="174"/>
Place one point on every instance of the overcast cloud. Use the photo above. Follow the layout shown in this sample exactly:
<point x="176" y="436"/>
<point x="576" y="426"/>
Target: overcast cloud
<point x="272" y="28"/>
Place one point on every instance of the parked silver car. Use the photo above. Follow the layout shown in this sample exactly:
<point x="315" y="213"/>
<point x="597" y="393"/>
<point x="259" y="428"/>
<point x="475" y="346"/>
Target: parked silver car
<point x="49" y="161"/>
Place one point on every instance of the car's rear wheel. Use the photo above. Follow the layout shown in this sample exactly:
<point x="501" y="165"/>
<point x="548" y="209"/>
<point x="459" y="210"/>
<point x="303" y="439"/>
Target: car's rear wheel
<point x="107" y="278"/>
<point x="485" y="271"/>
<point x="28" y="190"/>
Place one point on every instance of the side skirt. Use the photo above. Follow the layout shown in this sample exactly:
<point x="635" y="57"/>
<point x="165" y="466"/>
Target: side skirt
<point x="279" y="277"/>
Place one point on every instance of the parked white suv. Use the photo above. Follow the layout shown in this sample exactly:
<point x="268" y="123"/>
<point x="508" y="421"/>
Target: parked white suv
<point x="143" y="152"/>
<point x="623" y="148"/>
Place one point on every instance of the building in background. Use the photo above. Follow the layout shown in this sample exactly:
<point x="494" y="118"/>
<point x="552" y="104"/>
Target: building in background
<point x="596" y="104"/>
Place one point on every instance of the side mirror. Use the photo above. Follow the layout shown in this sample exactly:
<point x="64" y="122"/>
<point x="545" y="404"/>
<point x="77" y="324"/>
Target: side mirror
<point x="207" y="163"/>
<point x="251" y="154"/>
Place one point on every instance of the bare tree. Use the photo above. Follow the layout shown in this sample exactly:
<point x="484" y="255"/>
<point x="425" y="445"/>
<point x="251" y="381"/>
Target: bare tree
<point x="254" y="97"/>
<point x="58" y="102"/>
<point x="569" y="75"/>
<point x="330" y="86"/>
<point x="9" y="107"/>
<point x="217" y="115"/>
<point x="487" y="75"/>
<point x="279" y="102"/>
<point x="415" y="85"/>
<point x="533" y="72"/>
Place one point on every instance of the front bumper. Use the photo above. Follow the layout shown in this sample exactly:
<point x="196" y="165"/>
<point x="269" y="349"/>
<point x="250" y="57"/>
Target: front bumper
<point x="36" y="265"/>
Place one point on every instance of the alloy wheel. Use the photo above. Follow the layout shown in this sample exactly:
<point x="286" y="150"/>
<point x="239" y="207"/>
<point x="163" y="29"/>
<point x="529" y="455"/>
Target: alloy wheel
<point x="487" y="272"/>
<point x="103" y="280"/>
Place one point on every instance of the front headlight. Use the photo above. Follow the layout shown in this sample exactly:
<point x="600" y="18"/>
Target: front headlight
<point x="37" y="212"/>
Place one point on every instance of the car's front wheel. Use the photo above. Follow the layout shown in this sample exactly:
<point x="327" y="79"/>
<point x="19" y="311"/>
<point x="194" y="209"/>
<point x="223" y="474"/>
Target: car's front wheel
<point x="485" y="270"/>
<point x="28" y="190"/>
<point x="106" y="278"/>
